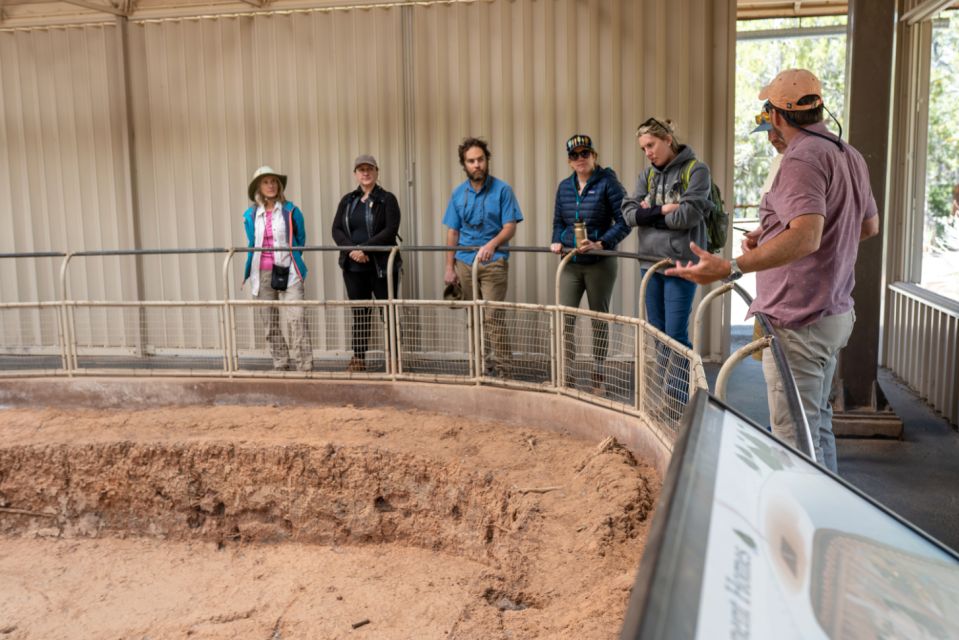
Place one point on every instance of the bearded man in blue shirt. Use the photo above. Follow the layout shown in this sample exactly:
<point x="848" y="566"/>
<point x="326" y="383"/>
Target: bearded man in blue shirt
<point x="482" y="212"/>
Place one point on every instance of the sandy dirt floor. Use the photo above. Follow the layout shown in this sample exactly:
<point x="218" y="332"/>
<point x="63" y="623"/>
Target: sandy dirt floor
<point x="266" y="522"/>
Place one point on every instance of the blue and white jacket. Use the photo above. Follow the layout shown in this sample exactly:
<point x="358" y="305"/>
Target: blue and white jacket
<point x="295" y="237"/>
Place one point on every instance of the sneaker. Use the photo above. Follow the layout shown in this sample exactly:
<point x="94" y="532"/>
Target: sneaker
<point x="357" y="365"/>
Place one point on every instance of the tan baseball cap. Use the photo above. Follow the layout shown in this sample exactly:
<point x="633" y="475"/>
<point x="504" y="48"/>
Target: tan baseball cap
<point x="787" y="88"/>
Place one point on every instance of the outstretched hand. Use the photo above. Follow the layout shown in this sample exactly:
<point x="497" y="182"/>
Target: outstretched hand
<point x="710" y="267"/>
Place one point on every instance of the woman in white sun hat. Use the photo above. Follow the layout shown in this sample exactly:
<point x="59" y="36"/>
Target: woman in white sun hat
<point x="274" y="222"/>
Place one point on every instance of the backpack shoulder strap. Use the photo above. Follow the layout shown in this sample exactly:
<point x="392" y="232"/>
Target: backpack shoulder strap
<point x="649" y="180"/>
<point x="687" y="172"/>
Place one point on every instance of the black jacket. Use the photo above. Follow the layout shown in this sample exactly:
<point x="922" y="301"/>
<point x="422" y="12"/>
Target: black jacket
<point x="384" y="227"/>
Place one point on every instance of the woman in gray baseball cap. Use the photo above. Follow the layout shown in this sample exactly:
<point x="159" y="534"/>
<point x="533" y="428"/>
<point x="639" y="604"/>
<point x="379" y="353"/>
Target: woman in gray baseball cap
<point x="367" y="216"/>
<point x="275" y="222"/>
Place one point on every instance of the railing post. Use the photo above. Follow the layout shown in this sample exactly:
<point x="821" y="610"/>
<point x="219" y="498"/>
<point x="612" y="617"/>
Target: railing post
<point x="229" y="321"/>
<point x="554" y="356"/>
<point x="640" y="368"/>
<point x="642" y="287"/>
<point x="559" y="335"/>
<point x="478" y="321"/>
<point x="804" y="434"/>
<point x="722" y="379"/>
<point x="701" y="311"/>
<point x="392" y="317"/>
<point x="69" y="346"/>
<point x="559" y="274"/>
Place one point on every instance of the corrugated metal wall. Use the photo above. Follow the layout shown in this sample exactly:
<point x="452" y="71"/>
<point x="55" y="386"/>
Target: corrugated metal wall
<point x="62" y="167"/>
<point x="211" y="99"/>
<point x="527" y="75"/>
<point x="62" y="158"/>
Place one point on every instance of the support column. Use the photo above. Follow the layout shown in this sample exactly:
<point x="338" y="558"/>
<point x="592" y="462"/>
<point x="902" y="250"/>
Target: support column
<point x="131" y="178"/>
<point x="871" y="43"/>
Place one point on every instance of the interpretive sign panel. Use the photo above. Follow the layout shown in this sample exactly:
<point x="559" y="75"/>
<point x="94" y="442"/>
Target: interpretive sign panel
<point x="753" y="540"/>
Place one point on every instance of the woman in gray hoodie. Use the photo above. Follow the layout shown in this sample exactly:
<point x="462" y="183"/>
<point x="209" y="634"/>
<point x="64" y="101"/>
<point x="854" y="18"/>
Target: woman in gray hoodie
<point x="669" y="206"/>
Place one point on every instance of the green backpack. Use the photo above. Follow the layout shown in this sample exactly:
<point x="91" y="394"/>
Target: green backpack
<point x="717" y="220"/>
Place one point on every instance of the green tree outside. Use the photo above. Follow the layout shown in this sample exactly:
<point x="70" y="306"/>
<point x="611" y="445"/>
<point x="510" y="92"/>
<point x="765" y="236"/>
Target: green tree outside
<point x="940" y="251"/>
<point x="942" y="163"/>
<point x="758" y="62"/>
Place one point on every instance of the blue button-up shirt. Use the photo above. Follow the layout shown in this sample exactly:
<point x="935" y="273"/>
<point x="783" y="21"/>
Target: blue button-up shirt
<point x="479" y="217"/>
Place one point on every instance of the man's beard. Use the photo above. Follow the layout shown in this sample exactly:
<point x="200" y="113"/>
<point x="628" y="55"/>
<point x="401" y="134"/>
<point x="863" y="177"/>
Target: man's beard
<point x="477" y="176"/>
<point x="779" y="133"/>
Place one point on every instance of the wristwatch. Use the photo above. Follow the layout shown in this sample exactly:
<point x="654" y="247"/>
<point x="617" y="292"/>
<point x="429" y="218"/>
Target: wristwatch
<point x="735" y="273"/>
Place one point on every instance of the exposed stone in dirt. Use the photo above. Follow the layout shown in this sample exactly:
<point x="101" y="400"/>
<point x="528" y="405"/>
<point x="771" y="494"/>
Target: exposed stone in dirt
<point x="117" y="522"/>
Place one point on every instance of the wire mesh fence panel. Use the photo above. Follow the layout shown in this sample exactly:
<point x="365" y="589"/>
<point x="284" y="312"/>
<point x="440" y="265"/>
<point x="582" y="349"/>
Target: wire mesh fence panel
<point x="666" y="370"/>
<point x="435" y="340"/>
<point x="139" y="336"/>
<point x="342" y="338"/>
<point x="30" y="338"/>
<point x="364" y="329"/>
<point x="517" y="342"/>
<point x="599" y="356"/>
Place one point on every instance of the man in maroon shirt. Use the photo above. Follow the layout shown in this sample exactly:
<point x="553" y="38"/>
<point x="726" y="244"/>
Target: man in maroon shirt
<point x="818" y="210"/>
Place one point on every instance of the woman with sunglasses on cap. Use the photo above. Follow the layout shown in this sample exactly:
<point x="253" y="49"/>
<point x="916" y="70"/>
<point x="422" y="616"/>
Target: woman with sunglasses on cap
<point x="273" y="222"/>
<point x="367" y="216"/>
<point x="669" y="206"/>
<point x="587" y="216"/>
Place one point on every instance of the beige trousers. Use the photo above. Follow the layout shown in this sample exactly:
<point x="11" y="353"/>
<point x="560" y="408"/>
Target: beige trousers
<point x="286" y="332"/>
<point x="493" y="279"/>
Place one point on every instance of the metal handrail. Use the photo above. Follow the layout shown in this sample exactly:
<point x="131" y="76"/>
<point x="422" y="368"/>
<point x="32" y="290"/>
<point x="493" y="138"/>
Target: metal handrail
<point x="793" y="400"/>
<point x="756" y="346"/>
<point x="228" y="321"/>
<point x="34" y="254"/>
<point x="701" y="312"/>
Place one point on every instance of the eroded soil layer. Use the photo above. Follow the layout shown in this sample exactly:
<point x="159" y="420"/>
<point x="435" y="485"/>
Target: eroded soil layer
<point x="264" y="522"/>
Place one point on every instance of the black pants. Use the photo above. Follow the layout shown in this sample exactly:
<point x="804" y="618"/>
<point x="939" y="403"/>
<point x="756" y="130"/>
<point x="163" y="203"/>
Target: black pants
<point x="365" y="285"/>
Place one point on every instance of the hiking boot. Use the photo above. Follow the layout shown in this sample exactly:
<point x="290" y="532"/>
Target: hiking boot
<point x="357" y="365"/>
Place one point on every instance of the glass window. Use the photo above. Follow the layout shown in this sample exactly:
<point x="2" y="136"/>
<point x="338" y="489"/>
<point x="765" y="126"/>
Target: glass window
<point x="940" y="246"/>
<point x="763" y="49"/>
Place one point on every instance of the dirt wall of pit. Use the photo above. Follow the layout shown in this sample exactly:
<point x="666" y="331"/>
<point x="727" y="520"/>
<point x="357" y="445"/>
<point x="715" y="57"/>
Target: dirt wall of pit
<point x="516" y="407"/>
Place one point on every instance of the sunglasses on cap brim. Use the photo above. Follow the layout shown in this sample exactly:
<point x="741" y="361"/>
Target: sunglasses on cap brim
<point x="649" y="122"/>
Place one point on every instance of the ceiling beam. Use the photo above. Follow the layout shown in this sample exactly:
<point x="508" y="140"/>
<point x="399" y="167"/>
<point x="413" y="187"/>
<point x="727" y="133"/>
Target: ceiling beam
<point x="86" y="4"/>
<point x="751" y="9"/>
<point x="924" y="11"/>
<point x="96" y="6"/>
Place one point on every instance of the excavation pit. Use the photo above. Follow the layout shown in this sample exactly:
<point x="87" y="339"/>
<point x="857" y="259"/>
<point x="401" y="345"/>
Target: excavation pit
<point x="305" y="522"/>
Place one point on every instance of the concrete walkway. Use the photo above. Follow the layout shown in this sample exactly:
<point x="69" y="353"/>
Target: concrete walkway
<point x="917" y="477"/>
